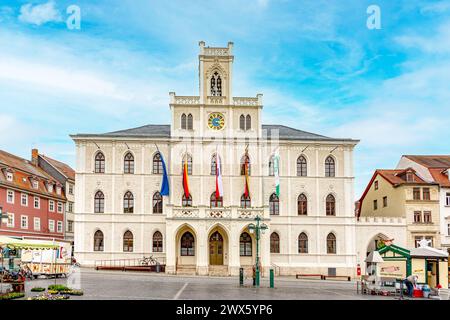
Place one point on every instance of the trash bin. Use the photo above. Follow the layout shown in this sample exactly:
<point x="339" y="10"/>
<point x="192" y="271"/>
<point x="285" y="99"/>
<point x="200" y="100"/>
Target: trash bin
<point x="158" y="268"/>
<point x="426" y="291"/>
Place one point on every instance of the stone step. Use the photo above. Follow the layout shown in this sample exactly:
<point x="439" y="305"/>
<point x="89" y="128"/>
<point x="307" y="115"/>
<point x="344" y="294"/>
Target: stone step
<point x="186" y="270"/>
<point x="221" y="271"/>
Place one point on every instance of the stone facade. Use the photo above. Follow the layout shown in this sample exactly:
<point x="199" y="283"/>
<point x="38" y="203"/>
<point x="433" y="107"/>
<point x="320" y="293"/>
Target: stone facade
<point x="230" y="140"/>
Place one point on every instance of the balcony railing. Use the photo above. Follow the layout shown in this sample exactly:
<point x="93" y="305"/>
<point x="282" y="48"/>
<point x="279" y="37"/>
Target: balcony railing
<point x="218" y="213"/>
<point x="216" y="100"/>
<point x="185" y="212"/>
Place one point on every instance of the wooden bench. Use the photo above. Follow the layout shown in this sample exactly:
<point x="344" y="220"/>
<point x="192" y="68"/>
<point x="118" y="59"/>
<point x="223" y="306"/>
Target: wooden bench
<point x="337" y="277"/>
<point x="309" y="276"/>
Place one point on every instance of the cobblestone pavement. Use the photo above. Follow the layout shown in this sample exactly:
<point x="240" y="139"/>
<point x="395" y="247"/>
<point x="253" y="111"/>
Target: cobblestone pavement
<point x="106" y="285"/>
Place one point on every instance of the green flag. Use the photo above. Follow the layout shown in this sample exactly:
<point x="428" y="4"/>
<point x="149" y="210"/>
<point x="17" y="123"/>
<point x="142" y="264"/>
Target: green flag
<point x="276" y="171"/>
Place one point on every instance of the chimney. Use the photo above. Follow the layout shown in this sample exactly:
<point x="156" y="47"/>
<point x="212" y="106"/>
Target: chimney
<point x="34" y="156"/>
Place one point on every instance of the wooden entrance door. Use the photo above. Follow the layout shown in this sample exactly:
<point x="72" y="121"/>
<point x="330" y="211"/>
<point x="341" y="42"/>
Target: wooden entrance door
<point x="216" y="249"/>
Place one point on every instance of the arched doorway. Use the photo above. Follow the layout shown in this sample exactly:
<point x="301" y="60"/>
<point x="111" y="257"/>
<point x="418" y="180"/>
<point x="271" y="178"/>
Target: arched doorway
<point x="216" y="249"/>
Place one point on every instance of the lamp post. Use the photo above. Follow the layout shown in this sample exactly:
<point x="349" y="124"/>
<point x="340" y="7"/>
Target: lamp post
<point x="257" y="229"/>
<point x="3" y="219"/>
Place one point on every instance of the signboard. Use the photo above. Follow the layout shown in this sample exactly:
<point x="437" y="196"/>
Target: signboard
<point x="47" y="260"/>
<point x="395" y="269"/>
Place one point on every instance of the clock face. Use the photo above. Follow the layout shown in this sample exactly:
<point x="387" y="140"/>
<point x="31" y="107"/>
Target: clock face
<point x="216" y="121"/>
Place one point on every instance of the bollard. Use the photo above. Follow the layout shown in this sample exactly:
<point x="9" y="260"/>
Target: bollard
<point x="271" y="278"/>
<point x="257" y="278"/>
<point x="241" y="276"/>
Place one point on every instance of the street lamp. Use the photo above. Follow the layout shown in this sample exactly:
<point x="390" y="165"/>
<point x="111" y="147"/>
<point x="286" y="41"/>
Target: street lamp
<point x="257" y="229"/>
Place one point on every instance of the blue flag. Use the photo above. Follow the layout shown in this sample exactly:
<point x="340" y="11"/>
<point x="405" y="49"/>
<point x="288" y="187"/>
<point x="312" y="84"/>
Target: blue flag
<point x="165" y="181"/>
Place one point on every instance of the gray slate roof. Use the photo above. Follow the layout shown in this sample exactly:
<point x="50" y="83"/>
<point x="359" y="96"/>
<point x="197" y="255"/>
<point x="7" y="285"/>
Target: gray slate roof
<point x="163" y="131"/>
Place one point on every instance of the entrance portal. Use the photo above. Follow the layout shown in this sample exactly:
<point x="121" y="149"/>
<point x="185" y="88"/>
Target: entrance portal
<point x="216" y="249"/>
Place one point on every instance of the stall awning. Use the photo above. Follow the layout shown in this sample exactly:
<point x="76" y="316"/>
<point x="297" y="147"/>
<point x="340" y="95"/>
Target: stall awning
<point x="428" y="252"/>
<point x="14" y="243"/>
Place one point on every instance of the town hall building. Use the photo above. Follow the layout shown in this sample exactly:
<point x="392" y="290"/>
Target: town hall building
<point x="120" y="212"/>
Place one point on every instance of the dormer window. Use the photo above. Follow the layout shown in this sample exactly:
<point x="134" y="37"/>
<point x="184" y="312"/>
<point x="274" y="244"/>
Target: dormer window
<point x="409" y="176"/>
<point x="50" y="187"/>
<point x="35" y="184"/>
<point x="9" y="176"/>
<point x="58" y="190"/>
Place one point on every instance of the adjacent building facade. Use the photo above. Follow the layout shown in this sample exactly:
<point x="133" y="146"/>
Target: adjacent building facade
<point x="120" y="213"/>
<point x="435" y="169"/>
<point x="33" y="200"/>
<point x="65" y="175"/>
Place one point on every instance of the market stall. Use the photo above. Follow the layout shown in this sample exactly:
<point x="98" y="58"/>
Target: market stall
<point x="11" y="273"/>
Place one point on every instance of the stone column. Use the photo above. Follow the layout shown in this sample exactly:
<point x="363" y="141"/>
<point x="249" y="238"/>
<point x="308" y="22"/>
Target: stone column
<point x="233" y="250"/>
<point x="171" y="249"/>
<point x="202" y="249"/>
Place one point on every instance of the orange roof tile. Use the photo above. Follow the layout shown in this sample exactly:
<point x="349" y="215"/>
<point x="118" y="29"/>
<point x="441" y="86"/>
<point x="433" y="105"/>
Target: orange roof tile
<point x="65" y="169"/>
<point x="431" y="161"/>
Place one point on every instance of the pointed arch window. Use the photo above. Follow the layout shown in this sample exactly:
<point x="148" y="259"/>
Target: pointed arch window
<point x="242" y="122"/>
<point x="274" y="243"/>
<point x="330" y="205"/>
<point x="245" y="245"/>
<point x="331" y="243"/>
<point x="246" y="201"/>
<point x="187" y="244"/>
<point x="99" y="202"/>
<point x="183" y="121"/>
<point x="302" y="167"/>
<point x="245" y="164"/>
<point x="214" y="165"/>
<point x="99" y="163"/>
<point x="190" y="122"/>
<point x="157" y="203"/>
<point x="98" y="241"/>
<point x="186" y="201"/>
<point x="216" y="84"/>
<point x="302" y="243"/>
<point x="302" y="205"/>
<point x="274" y="205"/>
<point x="128" y="202"/>
<point x="330" y="167"/>
<point x="157" y="164"/>
<point x="128" y="163"/>
<point x="157" y="242"/>
<point x="128" y="241"/>
<point x="248" y="122"/>
<point x="187" y="157"/>
<point x="216" y="202"/>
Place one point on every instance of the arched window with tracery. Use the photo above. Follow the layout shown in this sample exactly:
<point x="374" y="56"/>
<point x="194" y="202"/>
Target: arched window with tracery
<point x="248" y="122"/>
<point x="330" y="206"/>
<point x="98" y="241"/>
<point x="157" y="242"/>
<point x="128" y="241"/>
<point x="274" y="243"/>
<point x="331" y="243"/>
<point x="302" y="205"/>
<point x="128" y="202"/>
<point x="302" y="243"/>
<point x="216" y="202"/>
<point x="242" y="122"/>
<point x="99" y="163"/>
<point x="245" y="245"/>
<point x="157" y="203"/>
<point x="302" y="167"/>
<point x="183" y="121"/>
<point x="186" y="201"/>
<point x="216" y="84"/>
<point x="128" y="163"/>
<point x="187" y="244"/>
<point x="330" y="167"/>
<point x="190" y="122"/>
<point x="246" y="201"/>
<point x="157" y="164"/>
<point x="274" y="205"/>
<point x="99" y="202"/>
<point x="214" y="164"/>
<point x="187" y="157"/>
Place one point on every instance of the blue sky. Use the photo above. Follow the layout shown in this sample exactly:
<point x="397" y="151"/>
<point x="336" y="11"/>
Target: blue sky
<point x="318" y="65"/>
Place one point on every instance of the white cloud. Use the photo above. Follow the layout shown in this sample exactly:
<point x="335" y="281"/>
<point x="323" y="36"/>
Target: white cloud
<point x="39" y="14"/>
<point x="438" y="7"/>
<point x="438" y="42"/>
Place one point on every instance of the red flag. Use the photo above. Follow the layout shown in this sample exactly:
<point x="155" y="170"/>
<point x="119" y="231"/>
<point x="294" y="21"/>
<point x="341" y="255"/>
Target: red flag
<point x="185" y="178"/>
